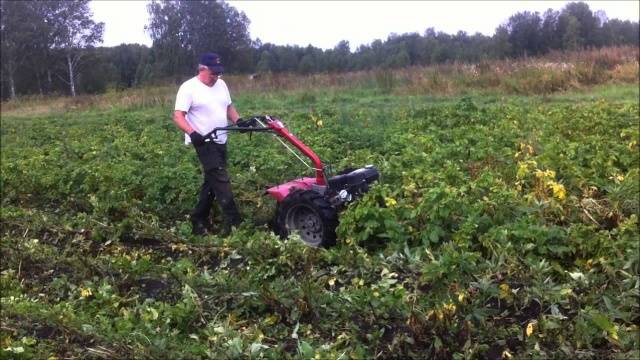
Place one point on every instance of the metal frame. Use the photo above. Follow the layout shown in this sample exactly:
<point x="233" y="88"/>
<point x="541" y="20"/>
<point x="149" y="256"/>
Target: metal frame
<point x="274" y="125"/>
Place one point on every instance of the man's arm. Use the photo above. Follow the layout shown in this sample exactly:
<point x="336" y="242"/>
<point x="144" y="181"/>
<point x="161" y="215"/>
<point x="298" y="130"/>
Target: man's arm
<point x="180" y="120"/>
<point x="232" y="114"/>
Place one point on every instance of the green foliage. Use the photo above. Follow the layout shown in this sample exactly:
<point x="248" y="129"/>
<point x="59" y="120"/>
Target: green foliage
<point x="183" y="30"/>
<point x="41" y="40"/>
<point x="499" y="228"/>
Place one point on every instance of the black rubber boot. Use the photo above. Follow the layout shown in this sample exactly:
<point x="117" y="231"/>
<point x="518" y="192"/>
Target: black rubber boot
<point x="229" y="226"/>
<point x="198" y="227"/>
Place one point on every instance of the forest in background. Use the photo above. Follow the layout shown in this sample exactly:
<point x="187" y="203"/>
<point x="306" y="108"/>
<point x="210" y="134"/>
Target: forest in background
<point x="53" y="47"/>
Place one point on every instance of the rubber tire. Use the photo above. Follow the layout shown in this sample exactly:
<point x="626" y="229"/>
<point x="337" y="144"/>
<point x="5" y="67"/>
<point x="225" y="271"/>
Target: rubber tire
<point x="315" y="205"/>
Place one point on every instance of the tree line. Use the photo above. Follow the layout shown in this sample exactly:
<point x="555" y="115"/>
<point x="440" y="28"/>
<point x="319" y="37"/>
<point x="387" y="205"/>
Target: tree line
<point x="52" y="47"/>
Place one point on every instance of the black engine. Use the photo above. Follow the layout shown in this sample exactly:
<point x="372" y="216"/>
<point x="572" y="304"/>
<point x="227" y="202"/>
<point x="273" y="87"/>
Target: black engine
<point x="352" y="183"/>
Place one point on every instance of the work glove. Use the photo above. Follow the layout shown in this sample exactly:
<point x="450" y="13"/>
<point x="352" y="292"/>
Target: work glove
<point x="245" y="124"/>
<point x="196" y="138"/>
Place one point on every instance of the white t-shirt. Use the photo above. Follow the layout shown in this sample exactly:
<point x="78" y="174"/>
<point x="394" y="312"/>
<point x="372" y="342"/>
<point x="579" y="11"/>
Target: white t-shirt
<point x="206" y="106"/>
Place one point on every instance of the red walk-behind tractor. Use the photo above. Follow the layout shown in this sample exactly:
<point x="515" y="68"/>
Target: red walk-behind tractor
<point x="308" y="206"/>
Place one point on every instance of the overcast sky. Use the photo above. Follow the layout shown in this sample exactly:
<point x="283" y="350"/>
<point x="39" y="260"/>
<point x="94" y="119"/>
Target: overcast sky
<point x="324" y="23"/>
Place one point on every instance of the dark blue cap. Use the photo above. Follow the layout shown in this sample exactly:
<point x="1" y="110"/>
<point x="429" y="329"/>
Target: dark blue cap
<point x="212" y="61"/>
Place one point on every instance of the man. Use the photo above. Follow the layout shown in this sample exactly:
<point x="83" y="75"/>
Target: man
<point x="202" y="104"/>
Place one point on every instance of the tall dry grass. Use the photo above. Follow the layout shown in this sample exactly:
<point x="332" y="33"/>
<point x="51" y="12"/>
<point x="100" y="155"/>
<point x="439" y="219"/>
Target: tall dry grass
<point x="557" y="71"/>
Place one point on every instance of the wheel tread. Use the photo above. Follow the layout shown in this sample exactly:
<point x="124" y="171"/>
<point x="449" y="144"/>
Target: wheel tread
<point x="320" y="204"/>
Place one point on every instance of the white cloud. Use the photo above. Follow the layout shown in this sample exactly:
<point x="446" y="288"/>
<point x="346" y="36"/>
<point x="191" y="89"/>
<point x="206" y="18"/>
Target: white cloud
<point x="124" y="21"/>
<point x="324" y="23"/>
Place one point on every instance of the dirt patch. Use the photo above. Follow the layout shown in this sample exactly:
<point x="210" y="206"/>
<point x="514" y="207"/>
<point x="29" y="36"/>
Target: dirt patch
<point x="290" y="346"/>
<point x="530" y="312"/>
<point x="495" y="352"/>
<point x="129" y="240"/>
<point x="211" y="261"/>
<point x="39" y="274"/>
<point x="165" y="290"/>
<point x="66" y="342"/>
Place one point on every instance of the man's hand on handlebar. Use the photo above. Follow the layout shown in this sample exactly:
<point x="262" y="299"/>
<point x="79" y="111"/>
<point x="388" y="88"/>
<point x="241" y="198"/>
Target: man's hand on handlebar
<point x="251" y="122"/>
<point x="246" y="123"/>
<point x="242" y="126"/>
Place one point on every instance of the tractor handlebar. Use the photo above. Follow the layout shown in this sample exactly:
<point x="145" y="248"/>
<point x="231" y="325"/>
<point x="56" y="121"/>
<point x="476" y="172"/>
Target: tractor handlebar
<point x="260" y="124"/>
<point x="266" y="123"/>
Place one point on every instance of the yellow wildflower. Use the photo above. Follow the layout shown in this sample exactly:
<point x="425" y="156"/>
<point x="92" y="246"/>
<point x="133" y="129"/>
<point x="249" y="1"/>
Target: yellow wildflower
<point x="449" y="308"/>
<point x="614" y="333"/>
<point x="410" y="188"/>
<point x="85" y="293"/>
<point x="589" y="264"/>
<point x="526" y="148"/>
<point x="547" y="174"/>
<point x="558" y="190"/>
<point x="529" y="329"/>
<point x="505" y="291"/>
<point x="524" y="168"/>
<point x="390" y="202"/>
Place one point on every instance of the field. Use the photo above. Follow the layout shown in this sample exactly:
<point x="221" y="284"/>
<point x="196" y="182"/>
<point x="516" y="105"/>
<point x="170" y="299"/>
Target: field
<point x="505" y="225"/>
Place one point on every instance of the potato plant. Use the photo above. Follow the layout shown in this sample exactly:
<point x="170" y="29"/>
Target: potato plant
<point x="501" y="227"/>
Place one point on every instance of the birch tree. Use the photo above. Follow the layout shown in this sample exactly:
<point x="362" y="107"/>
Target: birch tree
<point x="74" y="32"/>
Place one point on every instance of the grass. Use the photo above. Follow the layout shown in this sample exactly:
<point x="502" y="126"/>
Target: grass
<point x="603" y="72"/>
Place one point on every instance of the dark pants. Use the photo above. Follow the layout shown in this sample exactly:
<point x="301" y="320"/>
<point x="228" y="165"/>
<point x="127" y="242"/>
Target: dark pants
<point x="216" y="185"/>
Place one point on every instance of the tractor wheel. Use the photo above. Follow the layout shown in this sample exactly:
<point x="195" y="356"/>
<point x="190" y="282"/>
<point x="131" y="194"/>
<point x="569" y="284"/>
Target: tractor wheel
<point x="310" y="215"/>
